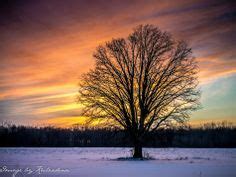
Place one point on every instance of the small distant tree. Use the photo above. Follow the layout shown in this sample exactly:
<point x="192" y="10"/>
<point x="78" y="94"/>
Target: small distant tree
<point x="140" y="83"/>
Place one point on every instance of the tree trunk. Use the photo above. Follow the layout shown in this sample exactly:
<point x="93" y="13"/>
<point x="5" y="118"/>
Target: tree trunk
<point x="138" y="151"/>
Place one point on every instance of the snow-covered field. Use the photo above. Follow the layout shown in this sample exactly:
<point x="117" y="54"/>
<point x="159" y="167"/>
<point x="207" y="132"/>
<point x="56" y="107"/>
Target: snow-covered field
<point x="111" y="162"/>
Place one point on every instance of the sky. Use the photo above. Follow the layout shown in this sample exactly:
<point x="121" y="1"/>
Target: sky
<point x="46" y="45"/>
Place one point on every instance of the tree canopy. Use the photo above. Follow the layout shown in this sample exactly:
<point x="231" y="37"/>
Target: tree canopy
<point x="141" y="82"/>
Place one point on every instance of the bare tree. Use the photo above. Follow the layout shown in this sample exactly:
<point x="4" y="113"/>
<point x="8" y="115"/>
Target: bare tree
<point x="141" y="83"/>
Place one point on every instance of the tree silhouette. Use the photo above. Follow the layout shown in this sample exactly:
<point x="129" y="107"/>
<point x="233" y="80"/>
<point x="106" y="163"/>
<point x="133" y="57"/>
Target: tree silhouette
<point x="141" y="83"/>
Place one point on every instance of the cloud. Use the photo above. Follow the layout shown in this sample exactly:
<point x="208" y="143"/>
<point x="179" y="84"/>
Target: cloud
<point x="218" y="100"/>
<point x="46" y="46"/>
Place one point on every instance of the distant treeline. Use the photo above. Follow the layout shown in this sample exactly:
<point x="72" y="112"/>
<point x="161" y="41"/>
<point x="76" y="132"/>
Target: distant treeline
<point x="207" y="136"/>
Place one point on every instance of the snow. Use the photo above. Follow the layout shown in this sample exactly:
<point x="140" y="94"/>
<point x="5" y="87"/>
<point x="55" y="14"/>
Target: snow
<point x="110" y="162"/>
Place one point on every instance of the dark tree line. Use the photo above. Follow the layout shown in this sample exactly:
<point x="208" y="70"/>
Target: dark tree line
<point x="208" y="136"/>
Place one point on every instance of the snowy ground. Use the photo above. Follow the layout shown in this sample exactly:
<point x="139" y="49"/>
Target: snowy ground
<point x="106" y="162"/>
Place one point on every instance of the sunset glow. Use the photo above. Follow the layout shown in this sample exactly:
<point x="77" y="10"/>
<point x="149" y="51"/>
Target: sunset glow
<point x="47" y="45"/>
